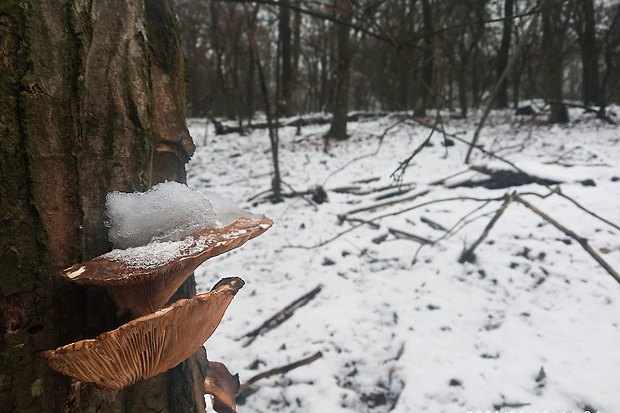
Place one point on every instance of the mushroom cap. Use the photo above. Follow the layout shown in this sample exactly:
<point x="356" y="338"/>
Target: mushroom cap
<point x="144" y="278"/>
<point x="223" y="387"/>
<point x="146" y="346"/>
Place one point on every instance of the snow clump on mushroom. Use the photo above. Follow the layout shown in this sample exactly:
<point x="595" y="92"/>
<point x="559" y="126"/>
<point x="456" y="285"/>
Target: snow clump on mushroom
<point x="167" y="212"/>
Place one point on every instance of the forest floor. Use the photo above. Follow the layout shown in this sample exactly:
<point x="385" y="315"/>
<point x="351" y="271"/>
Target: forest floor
<point x="530" y="322"/>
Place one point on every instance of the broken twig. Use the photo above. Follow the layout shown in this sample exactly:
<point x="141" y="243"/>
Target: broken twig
<point x="281" y="316"/>
<point x="432" y="224"/>
<point x="406" y="235"/>
<point x="280" y="370"/>
<point x="388" y="203"/>
<point x="468" y="254"/>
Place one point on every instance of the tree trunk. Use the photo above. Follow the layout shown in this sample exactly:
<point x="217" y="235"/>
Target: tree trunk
<point x="296" y="56"/>
<point x="427" y="68"/>
<point x="553" y="65"/>
<point x="338" y="127"/>
<point x="462" y="84"/>
<point x="93" y="101"/>
<point x="589" y="56"/>
<point x="502" y="56"/>
<point x="286" y="77"/>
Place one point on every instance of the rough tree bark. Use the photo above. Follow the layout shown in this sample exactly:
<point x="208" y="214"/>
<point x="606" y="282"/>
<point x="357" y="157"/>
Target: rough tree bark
<point x="93" y="100"/>
<point x="504" y="51"/>
<point x="286" y="77"/>
<point x="338" y="127"/>
<point x="589" y="55"/>
<point x="553" y="60"/>
<point x="428" y="66"/>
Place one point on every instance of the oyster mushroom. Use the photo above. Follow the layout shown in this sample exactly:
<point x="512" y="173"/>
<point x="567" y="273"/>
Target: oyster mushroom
<point x="144" y="278"/>
<point x="146" y="346"/>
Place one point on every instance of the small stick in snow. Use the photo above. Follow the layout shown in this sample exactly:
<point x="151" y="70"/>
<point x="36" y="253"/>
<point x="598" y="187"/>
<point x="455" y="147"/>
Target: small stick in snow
<point x="281" y="316"/>
<point x="442" y="180"/>
<point x="377" y="218"/>
<point x="402" y="234"/>
<point x="432" y="224"/>
<point x="468" y="254"/>
<point x="280" y="370"/>
<point x="389" y="203"/>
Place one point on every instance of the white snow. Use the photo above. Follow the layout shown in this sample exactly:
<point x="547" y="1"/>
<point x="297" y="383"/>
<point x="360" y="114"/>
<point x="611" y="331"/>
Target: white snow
<point x="396" y="334"/>
<point x="167" y="212"/>
<point x="159" y="253"/>
<point x="155" y="254"/>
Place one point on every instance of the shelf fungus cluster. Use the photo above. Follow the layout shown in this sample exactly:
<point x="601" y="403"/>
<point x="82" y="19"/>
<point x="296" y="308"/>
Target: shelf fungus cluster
<point x="143" y="279"/>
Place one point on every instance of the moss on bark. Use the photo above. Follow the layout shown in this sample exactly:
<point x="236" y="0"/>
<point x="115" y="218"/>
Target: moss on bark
<point x="76" y="121"/>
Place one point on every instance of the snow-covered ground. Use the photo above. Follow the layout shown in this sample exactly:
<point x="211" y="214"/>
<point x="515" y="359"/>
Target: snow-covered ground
<point x="431" y="335"/>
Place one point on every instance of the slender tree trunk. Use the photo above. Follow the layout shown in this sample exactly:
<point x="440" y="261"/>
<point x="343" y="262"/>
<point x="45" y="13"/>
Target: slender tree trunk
<point x="552" y="48"/>
<point x="286" y="76"/>
<point x="93" y="100"/>
<point x="338" y="127"/>
<point x="276" y="182"/>
<point x="296" y="56"/>
<point x="462" y="84"/>
<point x="428" y="65"/>
<point x="590" y="56"/>
<point x="502" y="56"/>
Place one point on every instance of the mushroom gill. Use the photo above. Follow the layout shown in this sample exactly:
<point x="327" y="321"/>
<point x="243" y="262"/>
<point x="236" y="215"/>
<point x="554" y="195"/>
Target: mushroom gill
<point x="146" y="346"/>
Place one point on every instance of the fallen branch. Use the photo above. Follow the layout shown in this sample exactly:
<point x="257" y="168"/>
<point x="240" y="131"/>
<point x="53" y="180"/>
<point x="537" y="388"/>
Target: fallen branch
<point x="468" y="254"/>
<point x="280" y="370"/>
<point x="432" y="224"/>
<point x="388" y="203"/>
<point x="578" y="205"/>
<point x="363" y="221"/>
<point x="357" y="190"/>
<point x="462" y="222"/>
<point x="392" y="194"/>
<point x="442" y="180"/>
<point x="582" y="241"/>
<point x="534" y="178"/>
<point x="371" y="221"/>
<point x="402" y="234"/>
<point x="302" y="195"/>
<point x="281" y="316"/>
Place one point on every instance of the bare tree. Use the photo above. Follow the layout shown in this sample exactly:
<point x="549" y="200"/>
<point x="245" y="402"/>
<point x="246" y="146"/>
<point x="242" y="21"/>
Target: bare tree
<point x="502" y="56"/>
<point x="340" y="100"/>
<point x="553" y="23"/>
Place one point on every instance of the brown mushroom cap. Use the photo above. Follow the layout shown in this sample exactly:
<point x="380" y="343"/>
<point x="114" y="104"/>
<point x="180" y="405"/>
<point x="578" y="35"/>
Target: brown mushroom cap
<point x="146" y="346"/>
<point x="144" y="278"/>
<point x="223" y="387"/>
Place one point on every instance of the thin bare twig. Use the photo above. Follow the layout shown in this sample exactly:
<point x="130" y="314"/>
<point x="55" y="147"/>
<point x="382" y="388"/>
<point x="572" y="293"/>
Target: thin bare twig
<point x="280" y="370"/>
<point x="388" y="203"/>
<point x="402" y="234"/>
<point x="371" y="221"/>
<point x="578" y="205"/>
<point x="534" y="178"/>
<point x="301" y="195"/>
<point x="468" y="254"/>
<point x="513" y="59"/>
<point x="582" y="241"/>
<point x="281" y="316"/>
<point x="381" y="137"/>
